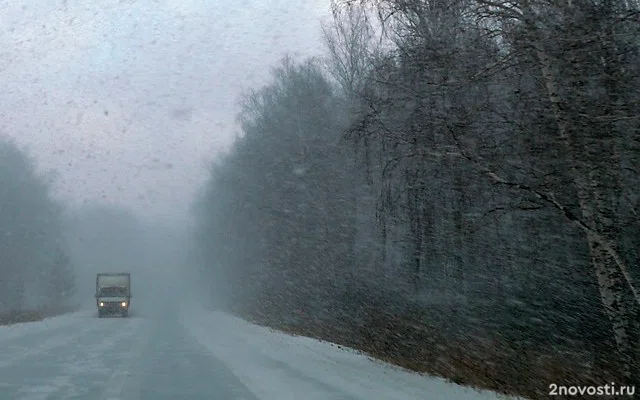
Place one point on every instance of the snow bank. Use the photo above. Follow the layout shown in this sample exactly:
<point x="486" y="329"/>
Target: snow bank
<point x="53" y="323"/>
<point x="275" y="365"/>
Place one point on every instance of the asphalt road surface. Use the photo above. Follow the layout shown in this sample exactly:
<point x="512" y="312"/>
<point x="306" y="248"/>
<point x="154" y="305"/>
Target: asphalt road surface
<point x="141" y="357"/>
<point x="175" y="352"/>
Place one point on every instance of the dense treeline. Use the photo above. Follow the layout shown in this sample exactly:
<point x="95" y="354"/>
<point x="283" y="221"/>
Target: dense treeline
<point x="35" y="268"/>
<point x="455" y="189"/>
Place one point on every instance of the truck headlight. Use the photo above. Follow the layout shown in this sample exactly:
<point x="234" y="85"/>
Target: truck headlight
<point x="101" y="304"/>
<point x="124" y="304"/>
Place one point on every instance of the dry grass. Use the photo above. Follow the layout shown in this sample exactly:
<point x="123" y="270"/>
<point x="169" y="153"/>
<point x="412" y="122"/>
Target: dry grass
<point x="480" y="362"/>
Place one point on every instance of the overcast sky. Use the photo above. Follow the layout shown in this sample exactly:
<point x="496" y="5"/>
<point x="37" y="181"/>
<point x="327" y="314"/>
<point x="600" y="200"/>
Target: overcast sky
<point x="130" y="100"/>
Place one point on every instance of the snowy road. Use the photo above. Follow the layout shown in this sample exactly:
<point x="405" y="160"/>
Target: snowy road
<point x="192" y="355"/>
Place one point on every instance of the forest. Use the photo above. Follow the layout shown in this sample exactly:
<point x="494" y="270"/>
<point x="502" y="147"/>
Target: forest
<point x="454" y="187"/>
<point x="37" y="277"/>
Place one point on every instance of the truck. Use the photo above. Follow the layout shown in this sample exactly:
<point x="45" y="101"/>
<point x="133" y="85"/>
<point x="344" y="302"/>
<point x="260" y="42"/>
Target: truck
<point x="113" y="294"/>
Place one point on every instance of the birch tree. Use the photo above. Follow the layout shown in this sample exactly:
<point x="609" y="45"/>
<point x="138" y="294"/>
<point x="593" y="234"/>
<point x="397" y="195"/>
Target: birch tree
<point x="584" y="53"/>
<point x="583" y="57"/>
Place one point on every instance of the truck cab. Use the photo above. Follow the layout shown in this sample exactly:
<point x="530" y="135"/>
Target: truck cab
<point x="113" y="294"/>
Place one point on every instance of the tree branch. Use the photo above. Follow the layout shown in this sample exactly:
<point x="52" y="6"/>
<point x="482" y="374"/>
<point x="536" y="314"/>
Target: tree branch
<point x="550" y="199"/>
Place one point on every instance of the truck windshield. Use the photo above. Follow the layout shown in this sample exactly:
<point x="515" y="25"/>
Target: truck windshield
<point x="112" y="291"/>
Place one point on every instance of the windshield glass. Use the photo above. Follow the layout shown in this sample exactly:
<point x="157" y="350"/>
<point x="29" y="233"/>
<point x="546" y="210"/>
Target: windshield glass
<point x="112" y="291"/>
<point x="448" y="187"/>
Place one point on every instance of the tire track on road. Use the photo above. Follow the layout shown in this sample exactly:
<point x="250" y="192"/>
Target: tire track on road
<point x="85" y="365"/>
<point x="121" y="377"/>
<point x="51" y="343"/>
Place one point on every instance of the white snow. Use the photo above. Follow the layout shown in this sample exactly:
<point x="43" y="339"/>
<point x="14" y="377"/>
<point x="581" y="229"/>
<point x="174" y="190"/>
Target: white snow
<point x="192" y="353"/>
<point x="84" y="359"/>
<point x="27" y="328"/>
<point x="69" y="356"/>
<point x="274" y="365"/>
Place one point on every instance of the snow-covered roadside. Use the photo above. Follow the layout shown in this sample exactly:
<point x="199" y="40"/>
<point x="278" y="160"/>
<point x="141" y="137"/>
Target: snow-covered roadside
<point x="27" y="328"/>
<point x="275" y="365"/>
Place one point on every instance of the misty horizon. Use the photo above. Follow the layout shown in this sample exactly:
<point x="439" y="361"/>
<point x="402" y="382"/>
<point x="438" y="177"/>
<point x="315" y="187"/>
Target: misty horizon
<point x="128" y="104"/>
